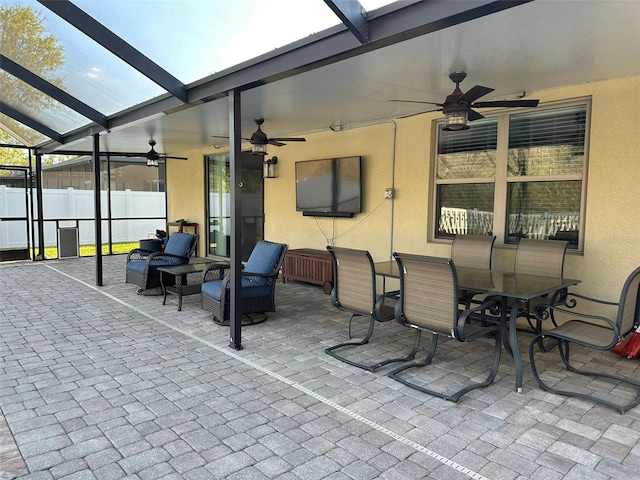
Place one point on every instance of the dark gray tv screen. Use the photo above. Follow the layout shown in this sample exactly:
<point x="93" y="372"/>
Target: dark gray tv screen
<point x="329" y="187"/>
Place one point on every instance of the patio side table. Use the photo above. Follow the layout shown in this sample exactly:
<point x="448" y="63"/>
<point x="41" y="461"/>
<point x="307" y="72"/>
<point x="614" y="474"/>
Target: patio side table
<point x="174" y="278"/>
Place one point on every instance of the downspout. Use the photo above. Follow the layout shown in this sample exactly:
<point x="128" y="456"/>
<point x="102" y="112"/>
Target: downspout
<point x="393" y="181"/>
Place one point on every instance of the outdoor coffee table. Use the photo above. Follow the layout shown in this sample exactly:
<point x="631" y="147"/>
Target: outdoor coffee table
<point x="174" y="278"/>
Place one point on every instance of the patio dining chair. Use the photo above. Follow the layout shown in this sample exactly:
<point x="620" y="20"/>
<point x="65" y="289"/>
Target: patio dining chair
<point x="354" y="291"/>
<point x="142" y="265"/>
<point x="544" y="258"/>
<point x="473" y="251"/>
<point x="258" y="285"/>
<point x="429" y="302"/>
<point x="597" y="333"/>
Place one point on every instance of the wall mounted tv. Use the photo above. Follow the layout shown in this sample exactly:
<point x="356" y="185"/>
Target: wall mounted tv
<point x="329" y="187"/>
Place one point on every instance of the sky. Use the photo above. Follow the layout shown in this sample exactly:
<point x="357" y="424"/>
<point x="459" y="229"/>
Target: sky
<point x="196" y="38"/>
<point x="191" y="39"/>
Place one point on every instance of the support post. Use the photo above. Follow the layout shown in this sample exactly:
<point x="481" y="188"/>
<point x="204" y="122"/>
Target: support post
<point x="235" y="139"/>
<point x="40" y="207"/>
<point x="97" y="209"/>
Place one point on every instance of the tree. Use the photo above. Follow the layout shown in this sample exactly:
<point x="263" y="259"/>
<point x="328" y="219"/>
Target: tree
<point x="24" y="40"/>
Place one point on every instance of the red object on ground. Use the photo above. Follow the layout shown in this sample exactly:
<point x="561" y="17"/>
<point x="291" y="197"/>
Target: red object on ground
<point x="630" y="346"/>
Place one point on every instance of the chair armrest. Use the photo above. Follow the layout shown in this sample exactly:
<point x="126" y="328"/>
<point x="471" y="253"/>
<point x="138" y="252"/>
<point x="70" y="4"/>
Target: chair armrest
<point x="464" y="317"/>
<point x="244" y="273"/>
<point x="214" y="271"/>
<point x="544" y="311"/>
<point x="139" y="254"/>
<point x="163" y="257"/>
<point x="570" y="300"/>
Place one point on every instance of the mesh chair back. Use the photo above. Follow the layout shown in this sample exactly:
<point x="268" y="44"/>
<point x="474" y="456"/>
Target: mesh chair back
<point x="472" y="251"/>
<point x="428" y="292"/>
<point x="540" y="257"/>
<point x="354" y="288"/>
<point x="629" y="306"/>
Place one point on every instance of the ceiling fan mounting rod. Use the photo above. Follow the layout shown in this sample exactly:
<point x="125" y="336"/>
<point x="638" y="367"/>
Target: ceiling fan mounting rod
<point x="457" y="78"/>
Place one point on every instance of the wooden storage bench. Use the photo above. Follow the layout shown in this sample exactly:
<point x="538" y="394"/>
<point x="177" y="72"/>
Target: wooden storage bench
<point x="309" y="265"/>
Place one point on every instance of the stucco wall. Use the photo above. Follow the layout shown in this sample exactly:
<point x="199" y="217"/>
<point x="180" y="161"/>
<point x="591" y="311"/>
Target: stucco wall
<point x="398" y="154"/>
<point x="186" y="192"/>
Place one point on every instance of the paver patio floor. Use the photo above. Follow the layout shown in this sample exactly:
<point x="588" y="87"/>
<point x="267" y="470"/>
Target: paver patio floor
<point x="102" y="383"/>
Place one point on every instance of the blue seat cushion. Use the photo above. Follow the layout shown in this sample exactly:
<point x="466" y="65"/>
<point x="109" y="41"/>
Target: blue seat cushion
<point x="264" y="257"/>
<point x="138" y="266"/>
<point x="250" y="288"/>
<point x="179" y="244"/>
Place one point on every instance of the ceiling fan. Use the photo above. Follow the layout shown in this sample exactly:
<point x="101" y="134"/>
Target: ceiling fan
<point x="154" y="157"/>
<point x="457" y="107"/>
<point x="259" y="139"/>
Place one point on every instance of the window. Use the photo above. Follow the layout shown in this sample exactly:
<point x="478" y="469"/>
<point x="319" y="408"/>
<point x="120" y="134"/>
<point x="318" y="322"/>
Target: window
<point x="514" y="175"/>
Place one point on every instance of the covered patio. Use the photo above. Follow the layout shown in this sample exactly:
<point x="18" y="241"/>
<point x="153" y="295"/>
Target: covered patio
<point x="99" y="382"/>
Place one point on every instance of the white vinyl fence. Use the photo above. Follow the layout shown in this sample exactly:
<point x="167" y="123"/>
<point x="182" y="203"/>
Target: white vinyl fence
<point x="74" y="204"/>
<point x="538" y="226"/>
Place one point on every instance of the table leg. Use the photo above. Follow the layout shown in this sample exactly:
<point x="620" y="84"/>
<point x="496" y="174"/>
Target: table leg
<point x="163" y="288"/>
<point x="509" y="337"/>
<point x="179" y="280"/>
<point x="504" y="327"/>
<point x="513" y="341"/>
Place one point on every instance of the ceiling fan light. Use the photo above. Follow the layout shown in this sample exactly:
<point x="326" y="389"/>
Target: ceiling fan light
<point x="454" y="121"/>
<point x="152" y="162"/>
<point x="258" y="149"/>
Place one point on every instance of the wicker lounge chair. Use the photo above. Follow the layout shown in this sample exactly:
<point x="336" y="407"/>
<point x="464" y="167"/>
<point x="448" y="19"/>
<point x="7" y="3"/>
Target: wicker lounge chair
<point x="429" y="302"/>
<point x="142" y="265"/>
<point x="258" y="286"/>
<point x="595" y="332"/>
<point x="354" y="291"/>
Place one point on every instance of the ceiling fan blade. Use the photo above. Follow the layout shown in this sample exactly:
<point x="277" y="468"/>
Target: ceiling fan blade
<point x="273" y="141"/>
<point x="286" y="139"/>
<point x="173" y="158"/>
<point x="473" y="115"/>
<point x="507" y="103"/>
<point x="417" y="101"/>
<point x="475" y="93"/>
<point x="227" y="137"/>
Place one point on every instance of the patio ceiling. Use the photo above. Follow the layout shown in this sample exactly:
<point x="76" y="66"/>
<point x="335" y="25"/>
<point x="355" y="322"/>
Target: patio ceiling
<point x="343" y="74"/>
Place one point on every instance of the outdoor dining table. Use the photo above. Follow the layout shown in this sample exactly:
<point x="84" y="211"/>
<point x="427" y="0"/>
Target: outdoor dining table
<point x="520" y="287"/>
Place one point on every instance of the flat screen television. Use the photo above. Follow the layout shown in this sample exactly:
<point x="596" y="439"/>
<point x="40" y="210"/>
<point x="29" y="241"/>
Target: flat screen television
<point x="330" y="187"/>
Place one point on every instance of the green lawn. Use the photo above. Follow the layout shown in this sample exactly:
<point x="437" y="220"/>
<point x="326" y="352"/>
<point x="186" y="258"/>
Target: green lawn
<point x="90" y="250"/>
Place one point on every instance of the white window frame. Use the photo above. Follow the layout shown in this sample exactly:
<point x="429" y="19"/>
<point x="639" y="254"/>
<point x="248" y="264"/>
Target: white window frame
<point x="502" y="180"/>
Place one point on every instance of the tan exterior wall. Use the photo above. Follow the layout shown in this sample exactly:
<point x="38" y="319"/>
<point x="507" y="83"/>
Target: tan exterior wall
<point x="186" y="192"/>
<point x="398" y="154"/>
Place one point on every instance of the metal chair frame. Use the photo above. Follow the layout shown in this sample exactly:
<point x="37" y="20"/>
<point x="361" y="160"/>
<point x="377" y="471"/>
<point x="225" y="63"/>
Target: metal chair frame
<point x="429" y="302"/>
<point x="354" y="291"/>
<point x="601" y="336"/>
